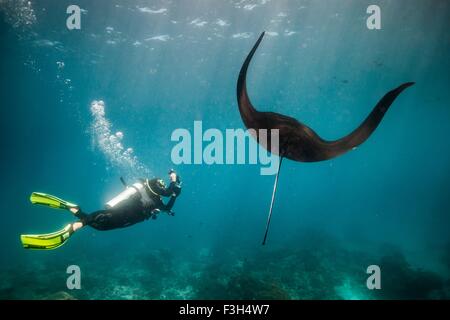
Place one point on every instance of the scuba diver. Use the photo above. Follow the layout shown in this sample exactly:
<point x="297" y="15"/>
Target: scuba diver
<point x="138" y="202"/>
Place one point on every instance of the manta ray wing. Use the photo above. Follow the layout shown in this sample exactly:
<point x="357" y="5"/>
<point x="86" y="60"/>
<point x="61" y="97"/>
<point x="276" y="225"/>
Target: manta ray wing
<point x="297" y="141"/>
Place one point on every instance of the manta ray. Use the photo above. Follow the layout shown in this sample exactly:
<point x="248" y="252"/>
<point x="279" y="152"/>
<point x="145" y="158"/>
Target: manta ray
<point x="297" y="141"/>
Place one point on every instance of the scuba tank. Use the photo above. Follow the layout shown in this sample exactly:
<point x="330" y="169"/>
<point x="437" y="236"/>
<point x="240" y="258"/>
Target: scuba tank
<point x="135" y="191"/>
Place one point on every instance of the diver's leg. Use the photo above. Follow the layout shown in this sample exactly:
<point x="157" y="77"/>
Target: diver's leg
<point x="108" y="219"/>
<point x="77" y="226"/>
<point x="96" y="219"/>
<point x="79" y="214"/>
<point x="74" y="210"/>
<point x="100" y="220"/>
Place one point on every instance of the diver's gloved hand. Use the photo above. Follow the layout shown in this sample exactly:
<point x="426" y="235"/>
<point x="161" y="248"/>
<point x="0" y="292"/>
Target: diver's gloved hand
<point x="177" y="180"/>
<point x="172" y="175"/>
<point x="171" y="213"/>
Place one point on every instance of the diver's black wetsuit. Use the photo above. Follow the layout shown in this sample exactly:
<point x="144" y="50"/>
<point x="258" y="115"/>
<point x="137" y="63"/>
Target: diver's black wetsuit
<point x="132" y="211"/>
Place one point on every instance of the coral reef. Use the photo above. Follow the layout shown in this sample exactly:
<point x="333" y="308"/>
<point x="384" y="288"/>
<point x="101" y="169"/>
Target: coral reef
<point x="316" y="266"/>
<point x="401" y="281"/>
<point x="61" y="295"/>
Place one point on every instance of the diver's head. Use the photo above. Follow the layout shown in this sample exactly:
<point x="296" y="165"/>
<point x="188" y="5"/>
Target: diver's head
<point x="160" y="183"/>
<point x="156" y="182"/>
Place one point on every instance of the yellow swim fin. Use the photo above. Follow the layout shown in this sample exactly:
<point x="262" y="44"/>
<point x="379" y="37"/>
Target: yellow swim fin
<point x="47" y="241"/>
<point x="51" y="201"/>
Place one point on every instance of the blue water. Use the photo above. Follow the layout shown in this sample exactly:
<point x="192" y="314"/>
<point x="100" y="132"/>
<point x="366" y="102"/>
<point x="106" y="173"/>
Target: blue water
<point x="161" y="65"/>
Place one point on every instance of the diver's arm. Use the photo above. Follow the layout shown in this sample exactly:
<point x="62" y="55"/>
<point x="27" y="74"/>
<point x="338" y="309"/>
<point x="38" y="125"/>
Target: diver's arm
<point x="168" y="207"/>
<point x="174" y="188"/>
<point x="170" y="190"/>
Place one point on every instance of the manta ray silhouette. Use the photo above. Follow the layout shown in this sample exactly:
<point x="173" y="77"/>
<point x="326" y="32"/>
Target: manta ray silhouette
<point x="297" y="141"/>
